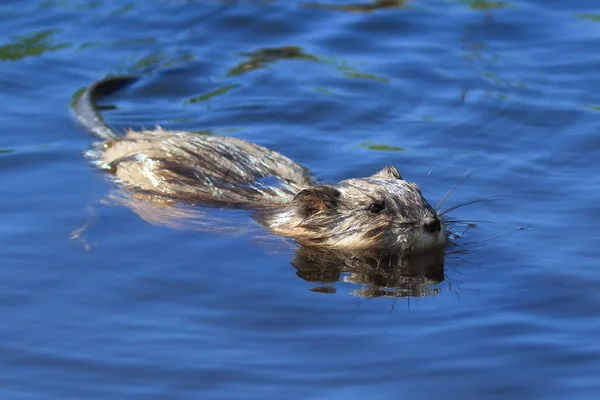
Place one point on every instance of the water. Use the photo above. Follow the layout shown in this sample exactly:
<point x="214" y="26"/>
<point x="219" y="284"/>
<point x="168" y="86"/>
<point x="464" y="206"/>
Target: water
<point x="126" y="309"/>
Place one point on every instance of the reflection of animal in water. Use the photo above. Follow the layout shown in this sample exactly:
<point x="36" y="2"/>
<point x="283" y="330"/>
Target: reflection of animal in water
<point x="378" y="212"/>
<point x="383" y="275"/>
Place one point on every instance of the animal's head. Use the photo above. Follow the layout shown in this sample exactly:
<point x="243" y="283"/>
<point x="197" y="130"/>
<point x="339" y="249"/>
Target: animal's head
<point x="379" y="212"/>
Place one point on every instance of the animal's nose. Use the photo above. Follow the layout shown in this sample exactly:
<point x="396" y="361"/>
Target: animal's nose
<point x="433" y="226"/>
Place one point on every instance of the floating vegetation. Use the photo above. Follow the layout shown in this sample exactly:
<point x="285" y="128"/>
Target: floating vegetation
<point x="590" y="17"/>
<point x="263" y="57"/>
<point x="210" y="95"/>
<point x="31" y="45"/>
<point x="592" y="107"/>
<point x="486" y="5"/>
<point x="324" y="90"/>
<point x="160" y="59"/>
<point x="351" y="72"/>
<point x="380" y="147"/>
<point x="359" y="7"/>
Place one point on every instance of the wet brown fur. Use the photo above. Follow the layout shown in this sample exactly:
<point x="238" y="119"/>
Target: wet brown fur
<point x="189" y="168"/>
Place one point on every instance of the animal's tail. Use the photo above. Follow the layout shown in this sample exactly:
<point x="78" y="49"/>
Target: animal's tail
<point x="85" y="108"/>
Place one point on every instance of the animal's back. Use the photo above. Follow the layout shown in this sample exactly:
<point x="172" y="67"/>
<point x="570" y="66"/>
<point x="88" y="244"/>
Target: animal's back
<point x="201" y="169"/>
<point x="190" y="167"/>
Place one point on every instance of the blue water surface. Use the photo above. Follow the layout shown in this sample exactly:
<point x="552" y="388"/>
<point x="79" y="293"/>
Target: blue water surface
<point x="98" y="303"/>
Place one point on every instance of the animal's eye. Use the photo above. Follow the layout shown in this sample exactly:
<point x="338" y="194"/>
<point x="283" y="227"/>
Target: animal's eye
<point x="377" y="207"/>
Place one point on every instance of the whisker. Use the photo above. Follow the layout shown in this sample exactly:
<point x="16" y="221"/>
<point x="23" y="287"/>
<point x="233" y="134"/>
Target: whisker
<point x="453" y="188"/>
<point x="460" y="181"/>
<point x="497" y="237"/>
<point x="466" y="203"/>
<point x="466" y="221"/>
<point x="462" y="223"/>
<point x="378" y="263"/>
<point x="466" y="230"/>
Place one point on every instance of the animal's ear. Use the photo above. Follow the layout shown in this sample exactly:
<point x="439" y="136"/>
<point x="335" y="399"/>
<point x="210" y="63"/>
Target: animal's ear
<point x="316" y="198"/>
<point x="388" y="173"/>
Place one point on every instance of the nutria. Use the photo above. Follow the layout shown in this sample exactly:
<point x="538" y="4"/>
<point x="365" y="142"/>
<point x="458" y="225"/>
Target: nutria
<point x="379" y="212"/>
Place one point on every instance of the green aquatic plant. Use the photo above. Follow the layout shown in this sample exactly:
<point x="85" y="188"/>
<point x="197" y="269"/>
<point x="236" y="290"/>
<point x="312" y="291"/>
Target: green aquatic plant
<point x="324" y="90"/>
<point x="486" y="5"/>
<point x="592" y="107"/>
<point x="210" y="95"/>
<point x="352" y="72"/>
<point x="31" y="45"/>
<point x="590" y="17"/>
<point x="262" y="57"/>
<point x="160" y="59"/>
<point x="380" y="147"/>
<point x="359" y="7"/>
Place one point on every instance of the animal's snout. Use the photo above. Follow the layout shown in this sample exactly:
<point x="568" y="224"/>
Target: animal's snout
<point x="433" y="226"/>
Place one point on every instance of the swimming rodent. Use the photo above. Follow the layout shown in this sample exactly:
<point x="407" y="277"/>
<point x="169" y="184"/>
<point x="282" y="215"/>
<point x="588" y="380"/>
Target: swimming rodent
<point x="381" y="212"/>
